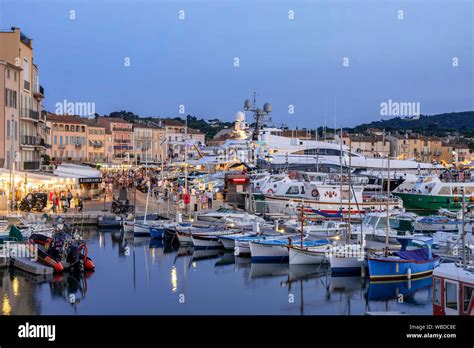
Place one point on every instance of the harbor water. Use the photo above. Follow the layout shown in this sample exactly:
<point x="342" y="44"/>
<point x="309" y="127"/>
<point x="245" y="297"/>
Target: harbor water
<point x="147" y="277"/>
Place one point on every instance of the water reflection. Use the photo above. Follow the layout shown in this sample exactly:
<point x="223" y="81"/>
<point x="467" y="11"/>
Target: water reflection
<point x="146" y="276"/>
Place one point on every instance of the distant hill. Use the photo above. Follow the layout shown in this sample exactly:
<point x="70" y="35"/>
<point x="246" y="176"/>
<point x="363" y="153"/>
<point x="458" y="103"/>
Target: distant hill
<point x="437" y="125"/>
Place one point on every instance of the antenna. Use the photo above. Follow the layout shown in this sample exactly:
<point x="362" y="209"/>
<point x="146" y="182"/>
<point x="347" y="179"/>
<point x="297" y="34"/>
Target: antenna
<point x="259" y="114"/>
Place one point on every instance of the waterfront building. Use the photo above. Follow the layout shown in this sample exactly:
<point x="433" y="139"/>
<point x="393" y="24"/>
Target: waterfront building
<point x="96" y="142"/>
<point x="371" y="145"/>
<point x="17" y="50"/>
<point x="406" y="146"/>
<point x="121" y="132"/>
<point x="142" y="144"/>
<point x="158" y="148"/>
<point x="9" y="113"/>
<point x="68" y="138"/>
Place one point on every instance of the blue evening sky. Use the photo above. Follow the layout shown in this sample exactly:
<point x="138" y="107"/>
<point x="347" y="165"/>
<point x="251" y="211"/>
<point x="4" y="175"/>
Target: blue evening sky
<point x="297" y="62"/>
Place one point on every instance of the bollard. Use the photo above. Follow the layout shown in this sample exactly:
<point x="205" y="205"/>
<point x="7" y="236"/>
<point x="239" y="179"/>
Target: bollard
<point x="276" y="225"/>
<point x="179" y="217"/>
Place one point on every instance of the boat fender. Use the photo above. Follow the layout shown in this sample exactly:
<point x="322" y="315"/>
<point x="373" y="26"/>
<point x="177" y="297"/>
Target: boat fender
<point x="58" y="267"/>
<point x="314" y="193"/>
<point x="89" y="265"/>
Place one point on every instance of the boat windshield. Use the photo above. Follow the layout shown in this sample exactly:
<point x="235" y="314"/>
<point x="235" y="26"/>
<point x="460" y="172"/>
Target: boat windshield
<point x="382" y="223"/>
<point x="370" y="220"/>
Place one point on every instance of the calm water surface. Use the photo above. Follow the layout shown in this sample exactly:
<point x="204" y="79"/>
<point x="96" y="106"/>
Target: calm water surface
<point x="147" y="277"/>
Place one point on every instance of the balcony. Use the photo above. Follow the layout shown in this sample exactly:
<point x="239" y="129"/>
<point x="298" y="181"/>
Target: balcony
<point x="26" y="85"/>
<point x="29" y="114"/>
<point x="33" y="165"/>
<point x="41" y="142"/>
<point x="121" y="129"/>
<point x="62" y="146"/>
<point x="39" y="93"/>
<point x="122" y="141"/>
<point x="28" y="140"/>
<point x="78" y="146"/>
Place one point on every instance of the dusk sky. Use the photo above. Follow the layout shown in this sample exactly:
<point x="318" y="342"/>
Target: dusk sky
<point x="286" y="61"/>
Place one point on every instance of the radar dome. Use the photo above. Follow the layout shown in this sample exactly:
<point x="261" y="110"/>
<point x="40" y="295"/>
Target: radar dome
<point x="239" y="116"/>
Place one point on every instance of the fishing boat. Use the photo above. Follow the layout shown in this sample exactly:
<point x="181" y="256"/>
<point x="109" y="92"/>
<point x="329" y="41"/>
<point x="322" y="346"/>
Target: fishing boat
<point x="330" y="197"/>
<point x="429" y="193"/>
<point x="228" y="241"/>
<point x="222" y="213"/>
<point x="453" y="289"/>
<point x="184" y="233"/>
<point x="374" y="227"/>
<point x="242" y="245"/>
<point x="210" y="240"/>
<point x="404" y="264"/>
<point x="347" y="259"/>
<point x="309" y="255"/>
<point x="436" y="223"/>
<point x="277" y="250"/>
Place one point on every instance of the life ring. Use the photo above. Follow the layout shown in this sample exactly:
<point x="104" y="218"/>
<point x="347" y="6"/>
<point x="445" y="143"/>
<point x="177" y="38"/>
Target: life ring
<point x="270" y="191"/>
<point x="314" y="193"/>
<point x="83" y="246"/>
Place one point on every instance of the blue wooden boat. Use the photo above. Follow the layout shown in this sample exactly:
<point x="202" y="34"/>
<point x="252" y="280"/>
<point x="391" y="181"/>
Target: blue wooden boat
<point x="157" y="232"/>
<point x="404" y="264"/>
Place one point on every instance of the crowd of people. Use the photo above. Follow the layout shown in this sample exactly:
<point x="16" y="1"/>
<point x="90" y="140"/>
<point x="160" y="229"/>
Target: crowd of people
<point x="165" y="189"/>
<point x="64" y="200"/>
<point x="455" y="175"/>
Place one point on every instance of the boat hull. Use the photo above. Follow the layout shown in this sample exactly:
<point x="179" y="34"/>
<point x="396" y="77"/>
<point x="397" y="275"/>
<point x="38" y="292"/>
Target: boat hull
<point x="299" y="256"/>
<point x="206" y="242"/>
<point x="431" y="203"/>
<point x="382" y="269"/>
<point x="268" y="252"/>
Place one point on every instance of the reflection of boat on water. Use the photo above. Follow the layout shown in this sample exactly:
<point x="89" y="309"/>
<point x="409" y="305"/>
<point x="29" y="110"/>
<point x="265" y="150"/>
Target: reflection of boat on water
<point x="139" y="241"/>
<point x="35" y="278"/>
<point x="383" y="291"/>
<point x="305" y="272"/>
<point x="262" y="270"/>
<point x="156" y="243"/>
<point x="70" y="287"/>
<point x="226" y="259"/>
<point x="205" y="254"/>
<point x="346" y="284"/>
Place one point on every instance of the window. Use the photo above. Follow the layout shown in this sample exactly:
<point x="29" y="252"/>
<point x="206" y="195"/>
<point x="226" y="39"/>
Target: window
<point x="437" y="291"/>
<point x="26" y="70"/>
<point x="60" y="139"/>
<point x="65" y="154"/>
<point x="469" y="190"/>
<point x="67" y="140"/>
<point x="66" y="128"/>
<point x="8" y="129"/>
<point x="55" y="140"/>
<point x="15" y="76"/>
<point x="468" y="297"/>
<point x="293" y="190"/>
<point x="445" y="190"/>
<point x="451" y="300"/>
